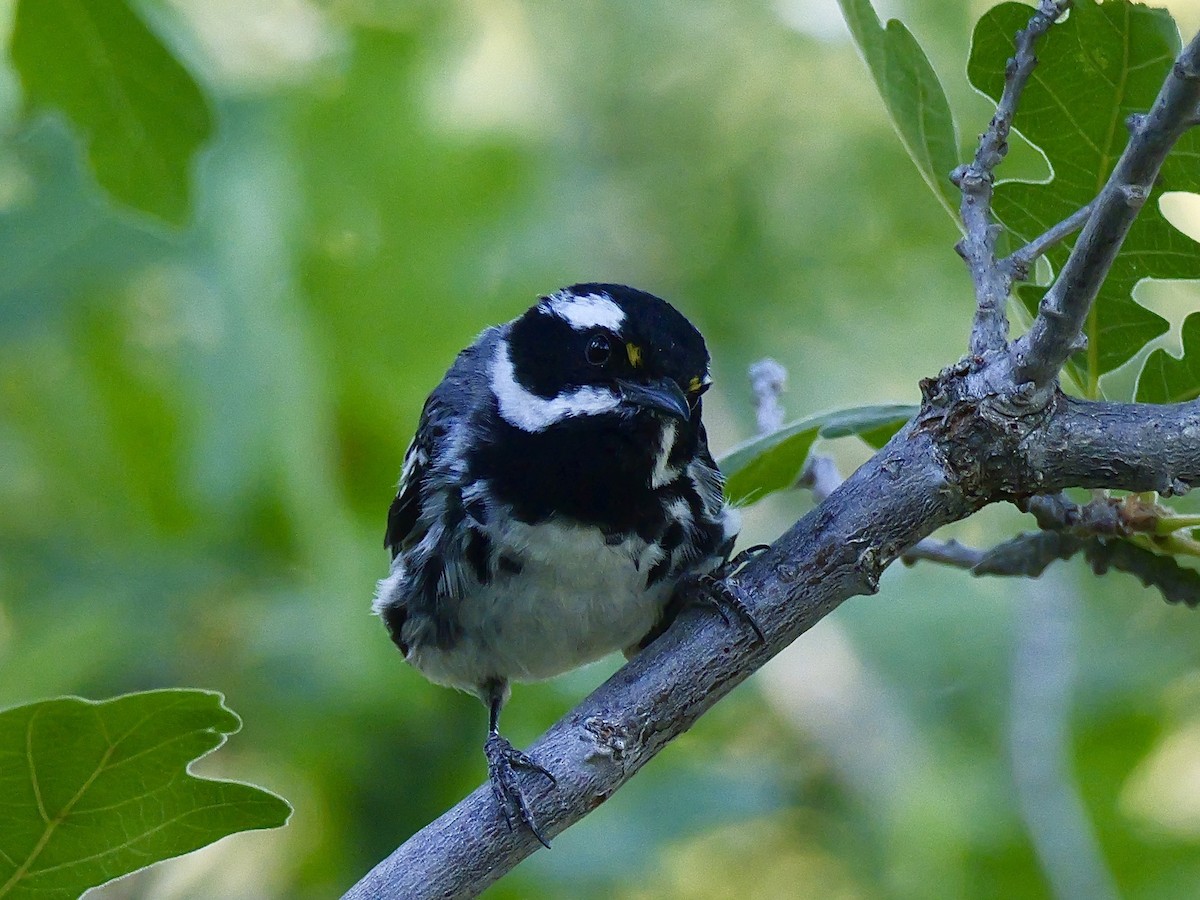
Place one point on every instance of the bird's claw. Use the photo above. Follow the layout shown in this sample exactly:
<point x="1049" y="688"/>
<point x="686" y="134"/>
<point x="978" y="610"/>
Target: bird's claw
<point x="712" y="590"/>
<point x="503" y="761"/>
<point x="730" y="566"/>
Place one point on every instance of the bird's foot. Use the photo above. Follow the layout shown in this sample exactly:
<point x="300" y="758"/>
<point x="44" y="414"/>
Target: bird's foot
<point x="730" y="566"/>
<point x="711" y="589"/>
<point x="503" y="761"/>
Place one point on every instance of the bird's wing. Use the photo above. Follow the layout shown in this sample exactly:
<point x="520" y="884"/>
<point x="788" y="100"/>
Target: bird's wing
<point x="434" y="454"/>
<point x="425" y="526"/>
<point x="406" y="508"/>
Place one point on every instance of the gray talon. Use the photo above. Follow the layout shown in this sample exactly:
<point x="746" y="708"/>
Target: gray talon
<point x="503" y="761"/>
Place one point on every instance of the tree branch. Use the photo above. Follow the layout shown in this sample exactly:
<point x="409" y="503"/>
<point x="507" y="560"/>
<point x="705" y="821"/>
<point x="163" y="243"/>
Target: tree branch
<point x="981" y="436"/>
<point x="1018" y="262"/>
<point x="1029" y="555"/>
<point x="975" y="180"/>
<point x="1097" y="529"/>
<point x="821" y="476"/>
<point x="1041" y="352"/>
<point x="1131" y="446"/>
<point x="928" y="475"/>
<point x="836" y="551"/>
<point x="1058" y="512"/>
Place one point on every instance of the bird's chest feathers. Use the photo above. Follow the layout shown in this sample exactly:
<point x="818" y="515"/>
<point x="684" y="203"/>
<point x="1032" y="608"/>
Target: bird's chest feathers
<point x="578" y="596"/>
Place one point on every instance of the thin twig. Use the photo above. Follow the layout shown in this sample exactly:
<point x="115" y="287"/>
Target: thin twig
<point x="1058" y="512"/>
<point x="1017" y="263"/>
<point x="1176" y="583"/>
<point x="768" y="380"/>
<point x="975" y="180"/>
<point x="820" y="475"/>
<point x="947" y="553"/>
<point x="1028" y="555"/>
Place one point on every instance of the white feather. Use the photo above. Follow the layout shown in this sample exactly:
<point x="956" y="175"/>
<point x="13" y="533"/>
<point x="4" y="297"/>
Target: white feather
<point x="663" y="473"/>
<point x="529" y="412"/>
<point x="585" y="312"/>
<point x="576" y="599"/>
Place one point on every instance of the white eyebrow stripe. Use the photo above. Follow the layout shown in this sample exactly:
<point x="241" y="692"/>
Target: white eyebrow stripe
<point x="587" y="311"/>
<point x="529" y="412"/>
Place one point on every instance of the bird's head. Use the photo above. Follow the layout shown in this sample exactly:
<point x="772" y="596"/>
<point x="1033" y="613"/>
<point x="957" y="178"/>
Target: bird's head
<point x="600" y="349"/>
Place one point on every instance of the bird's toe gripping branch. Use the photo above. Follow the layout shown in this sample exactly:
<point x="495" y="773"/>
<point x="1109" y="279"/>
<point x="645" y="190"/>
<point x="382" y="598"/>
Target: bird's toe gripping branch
<point x="503" y="761"/>
<point x="713" y="590"/>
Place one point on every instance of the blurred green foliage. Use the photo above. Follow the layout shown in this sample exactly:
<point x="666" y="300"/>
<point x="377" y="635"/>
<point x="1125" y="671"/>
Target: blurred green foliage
<point x="141" y="112"/>
<point x="200" y="430"/>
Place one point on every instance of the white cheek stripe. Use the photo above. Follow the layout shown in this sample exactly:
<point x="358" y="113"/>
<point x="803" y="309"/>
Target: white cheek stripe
<point x="663" y="473"/>
<point x="589" y="311"/>
<point x="529" y="412"/>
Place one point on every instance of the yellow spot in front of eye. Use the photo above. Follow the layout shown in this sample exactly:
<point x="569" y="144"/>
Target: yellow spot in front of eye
<point x="634" y="352"/>
<point x="695" y="384"/>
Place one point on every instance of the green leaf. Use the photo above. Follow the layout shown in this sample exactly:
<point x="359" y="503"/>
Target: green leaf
<point x="874" y="424"/>
<point x="769" y="463"/>
<point x="773" y="462"/>
<point x="92" y="791"/>
<point x="143" y="116"/>
<point x="912" y="94"/>
<point x="1164" y="378"/>
<point x="1096" y="68"/>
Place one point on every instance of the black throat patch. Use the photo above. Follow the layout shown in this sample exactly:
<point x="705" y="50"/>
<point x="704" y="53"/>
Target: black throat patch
<point x="593" y="469"/>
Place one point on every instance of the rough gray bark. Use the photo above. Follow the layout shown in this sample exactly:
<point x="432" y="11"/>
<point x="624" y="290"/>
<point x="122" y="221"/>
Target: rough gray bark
<point x="992" y="428"/>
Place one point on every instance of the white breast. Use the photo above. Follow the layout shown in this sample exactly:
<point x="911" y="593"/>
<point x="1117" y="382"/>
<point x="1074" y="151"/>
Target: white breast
<point x="575" y="600"/>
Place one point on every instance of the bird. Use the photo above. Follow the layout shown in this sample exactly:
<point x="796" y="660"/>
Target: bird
<point x="558" y="503"/>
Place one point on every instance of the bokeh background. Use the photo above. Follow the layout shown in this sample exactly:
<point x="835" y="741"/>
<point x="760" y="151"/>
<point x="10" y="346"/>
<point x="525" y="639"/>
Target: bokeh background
<point x="201" y="428"/>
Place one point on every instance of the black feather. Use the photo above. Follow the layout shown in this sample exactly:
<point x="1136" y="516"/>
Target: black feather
<point x="429" y="500"/>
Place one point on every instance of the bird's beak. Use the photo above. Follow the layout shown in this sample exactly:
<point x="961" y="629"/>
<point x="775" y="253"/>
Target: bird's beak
<point x="662" y="396"/>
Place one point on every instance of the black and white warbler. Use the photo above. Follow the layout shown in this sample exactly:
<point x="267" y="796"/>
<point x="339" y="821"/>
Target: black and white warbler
<point x="557" y="495"/>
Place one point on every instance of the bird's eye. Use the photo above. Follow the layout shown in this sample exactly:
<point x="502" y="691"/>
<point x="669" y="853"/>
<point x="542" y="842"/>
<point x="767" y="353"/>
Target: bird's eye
<point x="599" y="350"/>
